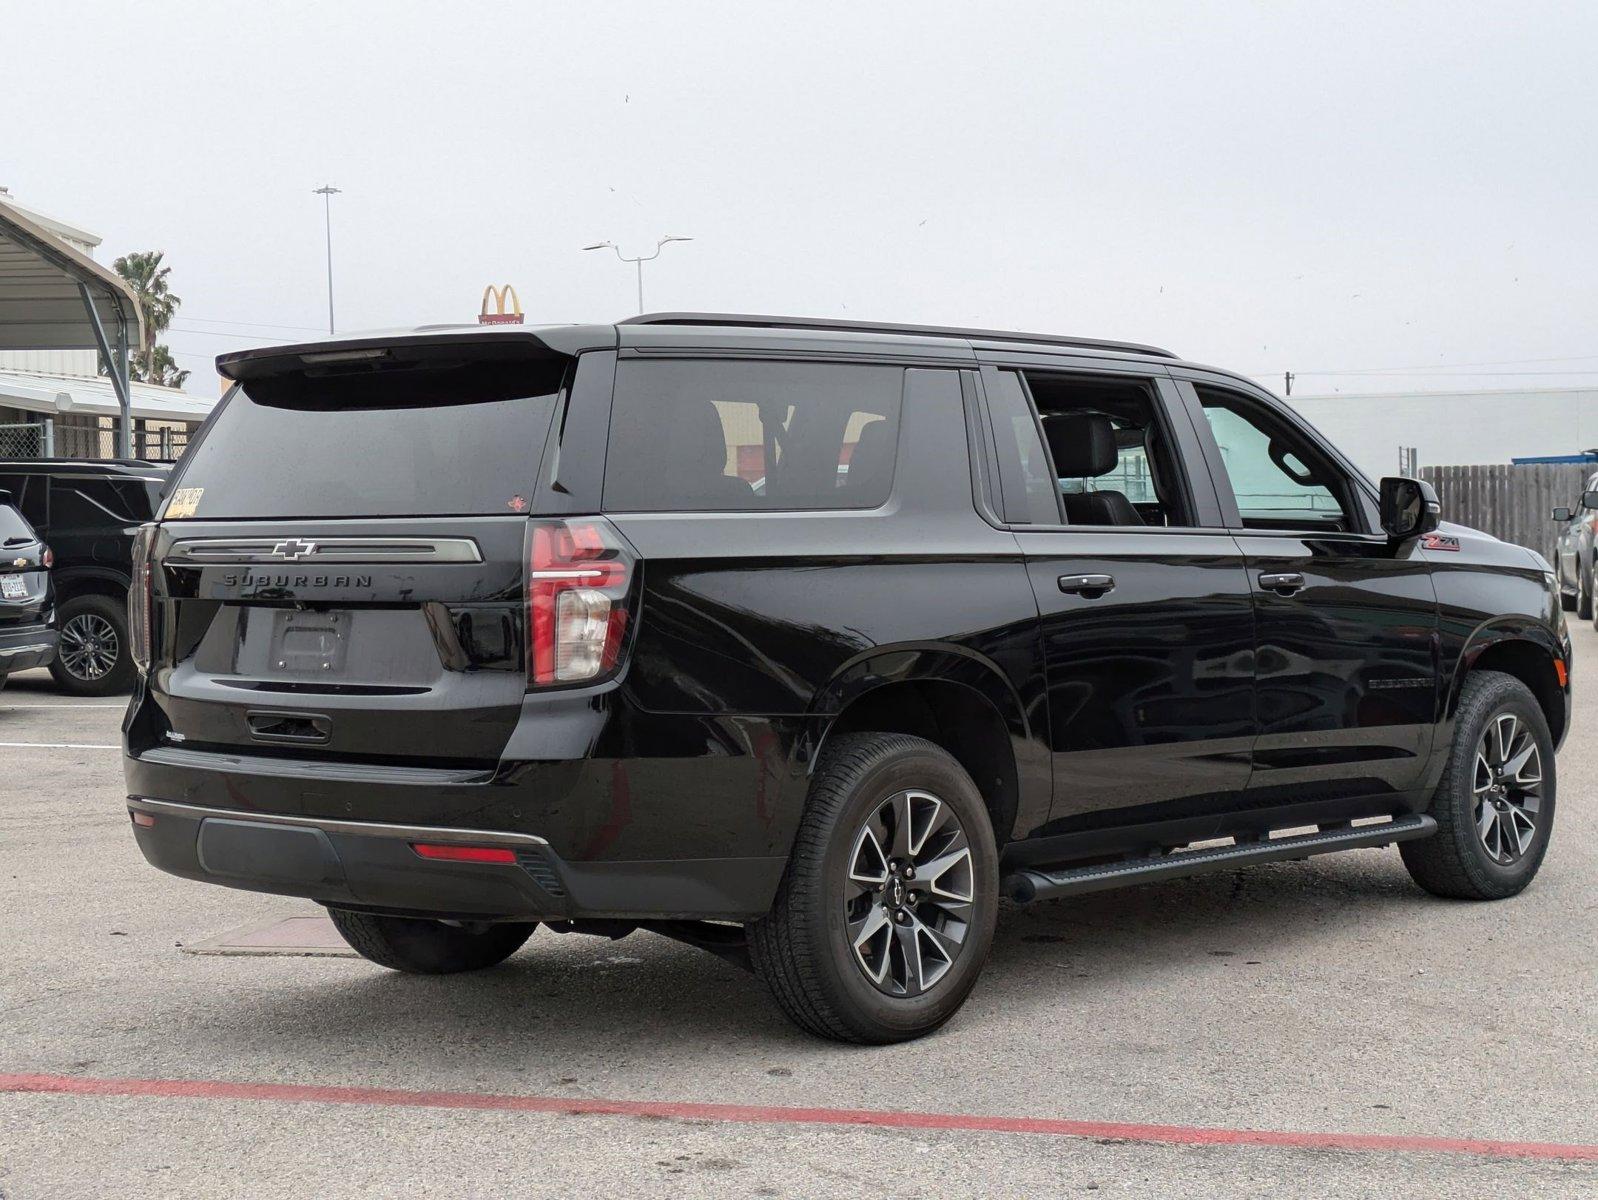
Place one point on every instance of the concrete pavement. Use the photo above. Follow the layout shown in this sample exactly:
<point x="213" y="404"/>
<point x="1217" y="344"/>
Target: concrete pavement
<point x="1324" y="997"/>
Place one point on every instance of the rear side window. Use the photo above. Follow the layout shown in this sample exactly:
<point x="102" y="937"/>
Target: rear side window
<point x="737" y="436"/>
<point x="87" y="503"/>
<point x="446" y="441"/>
<point x="1031" y="496"/>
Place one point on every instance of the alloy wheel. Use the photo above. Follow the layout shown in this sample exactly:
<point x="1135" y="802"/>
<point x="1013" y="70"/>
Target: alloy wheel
<point x="909" y="899"/>
<point x="1508" y="788"/>
<point x="88" y="647"/>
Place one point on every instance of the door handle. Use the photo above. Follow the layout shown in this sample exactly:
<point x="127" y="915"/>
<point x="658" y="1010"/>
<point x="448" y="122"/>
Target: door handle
<point x="1284" y="583"/>
<point x="1091" y="586"/>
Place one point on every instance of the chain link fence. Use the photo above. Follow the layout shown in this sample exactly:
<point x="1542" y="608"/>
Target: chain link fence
<point x="88" y="437"/>
<point x="21" y="440"/>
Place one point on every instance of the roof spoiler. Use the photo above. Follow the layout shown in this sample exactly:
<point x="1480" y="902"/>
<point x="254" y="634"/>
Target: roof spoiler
<point x="398" y="350"/>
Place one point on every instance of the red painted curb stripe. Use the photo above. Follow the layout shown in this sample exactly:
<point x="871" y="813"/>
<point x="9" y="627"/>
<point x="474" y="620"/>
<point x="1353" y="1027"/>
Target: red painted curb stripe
<point x="1181" y="1135"/>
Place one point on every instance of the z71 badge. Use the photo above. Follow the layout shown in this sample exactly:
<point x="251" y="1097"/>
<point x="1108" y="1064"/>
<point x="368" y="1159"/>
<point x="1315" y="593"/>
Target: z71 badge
<point x="1439" y="541"/>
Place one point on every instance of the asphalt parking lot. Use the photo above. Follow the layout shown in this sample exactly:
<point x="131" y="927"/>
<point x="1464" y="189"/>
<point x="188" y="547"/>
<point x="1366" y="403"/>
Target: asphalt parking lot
<point x="1303" y="1029"/>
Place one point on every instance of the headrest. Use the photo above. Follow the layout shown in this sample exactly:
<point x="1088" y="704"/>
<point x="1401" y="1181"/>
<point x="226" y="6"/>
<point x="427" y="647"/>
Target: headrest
<point x="1083" y="444"/>
<point x="699" y="440"/>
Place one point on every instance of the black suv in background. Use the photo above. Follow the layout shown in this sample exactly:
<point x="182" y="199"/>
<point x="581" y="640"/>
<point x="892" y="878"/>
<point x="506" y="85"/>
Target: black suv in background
<point x="88" y="511"/>
<point x="804" y="642"/>
<point x="27" y="604"/>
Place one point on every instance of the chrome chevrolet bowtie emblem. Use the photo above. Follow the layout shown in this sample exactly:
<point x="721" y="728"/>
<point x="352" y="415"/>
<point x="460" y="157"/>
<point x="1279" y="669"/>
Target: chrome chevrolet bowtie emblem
<point x="293" y="548"/>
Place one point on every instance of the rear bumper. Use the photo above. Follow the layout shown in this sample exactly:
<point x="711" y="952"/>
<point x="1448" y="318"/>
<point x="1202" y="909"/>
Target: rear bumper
<point x="26" y="649"/>
<point x="370" y="865"/>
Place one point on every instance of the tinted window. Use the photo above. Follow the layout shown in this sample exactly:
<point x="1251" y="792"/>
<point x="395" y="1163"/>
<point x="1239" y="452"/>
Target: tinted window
<point x="1280" y="480"/>
<point x="90" y="503"/>
<point x="739" y="436"/>
<point x="1031" y="496"/>
<point x="12" y="527"/>
<point x="31" y="494"/>
<point x="461" y="439"/>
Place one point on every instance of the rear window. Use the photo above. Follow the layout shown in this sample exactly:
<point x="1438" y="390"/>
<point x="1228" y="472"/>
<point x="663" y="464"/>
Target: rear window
<point x="459" y="440"/>
<point x="13" y="529"/>
<point x="738" y="436"/>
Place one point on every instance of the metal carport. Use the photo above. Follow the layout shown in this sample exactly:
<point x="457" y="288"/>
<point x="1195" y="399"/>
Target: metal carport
<point x="54" y="298"/>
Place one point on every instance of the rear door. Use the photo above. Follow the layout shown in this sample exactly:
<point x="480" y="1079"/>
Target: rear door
<point x="1147" y="625"/>
<point x="340" y="566"/>
<point x="1346" y="665"/>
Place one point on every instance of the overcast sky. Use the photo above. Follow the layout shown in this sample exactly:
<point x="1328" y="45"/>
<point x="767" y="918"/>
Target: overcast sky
<point x="1263" y="186"/>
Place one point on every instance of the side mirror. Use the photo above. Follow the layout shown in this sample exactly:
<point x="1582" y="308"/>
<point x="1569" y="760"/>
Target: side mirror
<point x="1589" y="500"/>
<point x="1563" y="515"/>
<point x="1409" y="507"/>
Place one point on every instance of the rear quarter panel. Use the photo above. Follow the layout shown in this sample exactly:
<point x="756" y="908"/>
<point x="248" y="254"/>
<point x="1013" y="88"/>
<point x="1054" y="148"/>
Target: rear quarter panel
<point x="783" y="618"/>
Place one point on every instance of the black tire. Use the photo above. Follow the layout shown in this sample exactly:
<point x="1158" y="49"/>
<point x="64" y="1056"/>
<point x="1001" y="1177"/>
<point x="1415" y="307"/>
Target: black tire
<point x="1584" y="592"/>
<point x="802" y="949"/>
<point x="1457" y="863"/>
<point x="102" y="617"/>
<point x="428" y="947"/>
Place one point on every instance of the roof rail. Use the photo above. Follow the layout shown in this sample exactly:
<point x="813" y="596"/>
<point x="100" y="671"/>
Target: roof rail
<point x="749" y="321"/>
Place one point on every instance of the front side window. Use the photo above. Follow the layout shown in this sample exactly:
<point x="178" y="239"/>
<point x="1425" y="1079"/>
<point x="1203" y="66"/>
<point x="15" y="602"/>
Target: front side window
<point x="1280" y="479"/>
<point x="739" y="436"/>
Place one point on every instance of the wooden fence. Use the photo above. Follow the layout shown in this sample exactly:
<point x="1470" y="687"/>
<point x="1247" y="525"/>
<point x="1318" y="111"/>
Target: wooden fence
<point x="1510" y="502"/>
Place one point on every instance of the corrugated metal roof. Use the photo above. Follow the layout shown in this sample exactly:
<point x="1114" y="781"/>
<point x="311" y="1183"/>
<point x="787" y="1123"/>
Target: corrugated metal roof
<point x="40" y="306"/>
<point x="38" y="392"/>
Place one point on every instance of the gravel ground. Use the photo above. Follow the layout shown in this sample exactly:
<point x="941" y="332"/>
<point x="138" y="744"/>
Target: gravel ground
<point x="1329" y="996"/>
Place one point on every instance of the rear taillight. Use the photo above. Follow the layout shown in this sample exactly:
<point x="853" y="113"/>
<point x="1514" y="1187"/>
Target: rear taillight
<point x="579" y="575"/>
<point x="141" y="599"/>
<point x="47" y="558"/>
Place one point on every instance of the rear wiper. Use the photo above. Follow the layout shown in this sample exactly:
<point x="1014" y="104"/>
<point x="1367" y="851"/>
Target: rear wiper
<point x="17" y="541"/>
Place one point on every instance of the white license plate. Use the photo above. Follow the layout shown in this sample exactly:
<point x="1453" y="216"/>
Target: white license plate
<point x="13" y="587"/>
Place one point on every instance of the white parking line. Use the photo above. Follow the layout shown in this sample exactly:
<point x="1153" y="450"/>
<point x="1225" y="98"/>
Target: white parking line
<point x="58" y="746"/>
<point x="8" y="707"/>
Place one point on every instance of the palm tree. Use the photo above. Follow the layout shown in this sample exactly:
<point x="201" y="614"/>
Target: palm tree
<point x="165" y="371"/>
<point x="147" y="277"/>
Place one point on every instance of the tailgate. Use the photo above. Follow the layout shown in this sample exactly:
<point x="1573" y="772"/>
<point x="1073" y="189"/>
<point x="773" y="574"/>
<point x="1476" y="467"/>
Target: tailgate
<point x="339" y="569"/>
<point x="384" y="640"/>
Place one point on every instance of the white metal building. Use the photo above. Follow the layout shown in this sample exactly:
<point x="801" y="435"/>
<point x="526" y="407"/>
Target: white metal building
<point x="1455" y="428"/>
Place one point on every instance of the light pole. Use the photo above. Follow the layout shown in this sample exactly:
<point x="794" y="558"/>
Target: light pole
<point x="327" y="191"/>
<point x="639" y="261"/>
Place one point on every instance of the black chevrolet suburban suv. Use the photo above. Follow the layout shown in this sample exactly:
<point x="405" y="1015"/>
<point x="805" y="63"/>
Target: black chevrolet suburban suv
<point x="88" y="510"/>
<point x="806" y="642"/>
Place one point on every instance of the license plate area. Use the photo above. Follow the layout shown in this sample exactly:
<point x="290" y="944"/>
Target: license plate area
<point x="13" y="587"/>
<point x="309" y="643"/>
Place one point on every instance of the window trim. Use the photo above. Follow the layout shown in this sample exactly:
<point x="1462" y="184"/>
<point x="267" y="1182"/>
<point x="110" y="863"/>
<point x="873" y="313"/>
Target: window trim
<point x="1165" y="403"/>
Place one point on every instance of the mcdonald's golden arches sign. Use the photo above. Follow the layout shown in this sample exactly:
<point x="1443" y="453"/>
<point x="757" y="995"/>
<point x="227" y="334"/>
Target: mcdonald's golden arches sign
<point x="507" y="308"/>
